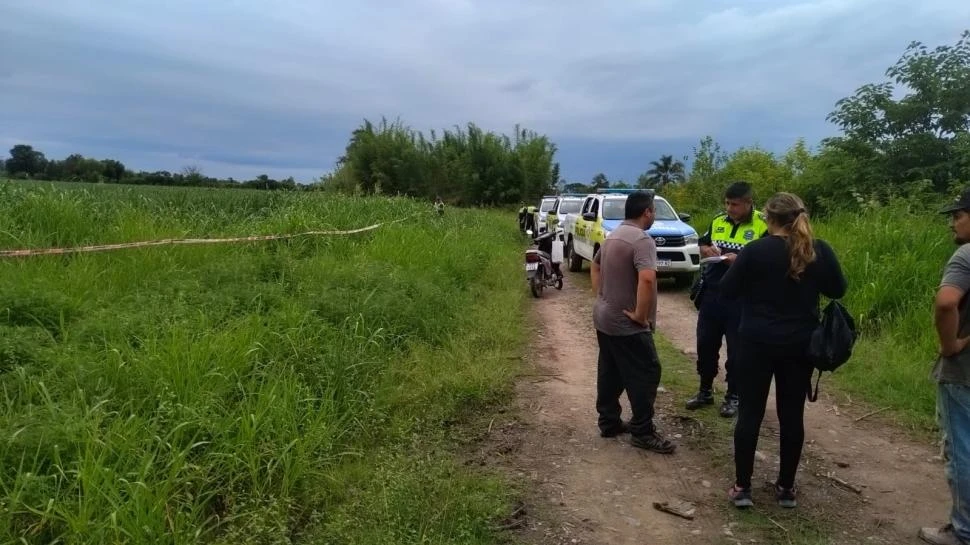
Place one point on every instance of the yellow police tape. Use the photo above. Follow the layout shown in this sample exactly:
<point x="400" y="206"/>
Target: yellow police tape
<point x="172" y="241"/>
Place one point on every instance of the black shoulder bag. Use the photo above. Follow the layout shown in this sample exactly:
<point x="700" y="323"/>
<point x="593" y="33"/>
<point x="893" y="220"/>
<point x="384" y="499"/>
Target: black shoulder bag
<point x="831" y="343"/>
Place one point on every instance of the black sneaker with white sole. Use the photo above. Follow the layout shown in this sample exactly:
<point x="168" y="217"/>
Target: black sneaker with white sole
<point x="740" y="497"/>
<point x="786" y="496"/>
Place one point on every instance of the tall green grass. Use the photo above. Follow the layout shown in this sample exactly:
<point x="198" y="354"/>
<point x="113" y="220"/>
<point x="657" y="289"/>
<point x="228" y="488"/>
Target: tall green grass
<point x="296" y="391"/>
<point x="893" y="257"/>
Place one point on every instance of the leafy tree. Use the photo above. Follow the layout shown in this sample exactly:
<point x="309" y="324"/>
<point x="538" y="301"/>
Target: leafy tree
<point x="663" y="172"/>
<point x="915" y="136"/>
<point x="464" y="165"/>
<point x="600" y="181"/>
<point x="708" y="160"/>
<point x="555" y="180"/>
<point x="576" y="187"/>
<point x="112" y="170"/>
<point x="26" y="160"/>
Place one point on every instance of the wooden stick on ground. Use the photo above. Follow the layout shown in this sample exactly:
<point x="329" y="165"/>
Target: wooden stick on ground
<point x="840" y="482"/>
<point x="868" y="414"/>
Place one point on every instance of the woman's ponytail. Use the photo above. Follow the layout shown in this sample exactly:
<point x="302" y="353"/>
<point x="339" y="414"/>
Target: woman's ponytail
<point x="788" y="211"/>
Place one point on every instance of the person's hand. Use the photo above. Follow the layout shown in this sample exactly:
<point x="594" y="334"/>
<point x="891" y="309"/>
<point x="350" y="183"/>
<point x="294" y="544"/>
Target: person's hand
<point x="639" y="320"/>
<point x="710" y="251"/>
<point x="957" y="347"/>
<point x="729" y="258"/>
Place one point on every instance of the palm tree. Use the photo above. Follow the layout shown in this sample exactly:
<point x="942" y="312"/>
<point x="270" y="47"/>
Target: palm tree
<point x="664" y="171"/>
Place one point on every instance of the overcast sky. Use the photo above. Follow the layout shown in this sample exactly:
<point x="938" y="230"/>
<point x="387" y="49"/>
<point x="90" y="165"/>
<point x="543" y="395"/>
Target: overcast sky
<point x="240" y="88"/>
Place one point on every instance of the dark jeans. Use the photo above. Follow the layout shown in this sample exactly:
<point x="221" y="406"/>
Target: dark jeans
<point x="628" y="363"/>
<point x="792" y="371"/>
<point x="718" y="318"/>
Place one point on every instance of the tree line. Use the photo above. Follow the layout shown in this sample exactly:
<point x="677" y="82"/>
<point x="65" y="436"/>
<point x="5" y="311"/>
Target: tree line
<point x="25" y="163"/>
<point x="466" y="165"/>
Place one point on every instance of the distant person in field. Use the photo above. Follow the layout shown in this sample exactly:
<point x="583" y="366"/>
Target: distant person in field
<point x="778" y="280"/>
<point x="952" y="374"/>
<point x="624" y="277"/>
<point x="439" y="206"/>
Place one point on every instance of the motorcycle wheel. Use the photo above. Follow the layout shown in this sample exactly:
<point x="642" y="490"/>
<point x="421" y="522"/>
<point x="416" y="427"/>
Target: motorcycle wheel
<point x="535" y="285"/>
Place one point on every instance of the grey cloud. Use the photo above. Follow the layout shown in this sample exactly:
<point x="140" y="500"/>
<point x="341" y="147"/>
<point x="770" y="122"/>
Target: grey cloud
<point x="251" y="89"/>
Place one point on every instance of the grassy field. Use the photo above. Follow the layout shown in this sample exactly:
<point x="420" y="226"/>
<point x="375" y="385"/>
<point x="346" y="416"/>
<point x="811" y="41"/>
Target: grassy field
<point x="308" y="390"/>
<point x="893" y="257"/>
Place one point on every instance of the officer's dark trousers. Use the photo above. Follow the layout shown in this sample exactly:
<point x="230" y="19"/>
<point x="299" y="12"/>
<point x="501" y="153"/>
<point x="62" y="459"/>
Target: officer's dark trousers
<point x="717" y="318"/>
<point x="630" y="363"/>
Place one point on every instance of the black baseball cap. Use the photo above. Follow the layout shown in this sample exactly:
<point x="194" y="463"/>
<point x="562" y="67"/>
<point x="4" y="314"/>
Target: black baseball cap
<point x="960" y="203"/>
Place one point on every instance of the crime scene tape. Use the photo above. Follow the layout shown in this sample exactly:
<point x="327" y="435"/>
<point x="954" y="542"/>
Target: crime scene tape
<point x="28" y="252"/>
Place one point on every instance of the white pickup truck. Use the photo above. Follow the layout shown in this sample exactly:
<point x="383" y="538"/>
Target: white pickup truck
<point x="678" y="255"/>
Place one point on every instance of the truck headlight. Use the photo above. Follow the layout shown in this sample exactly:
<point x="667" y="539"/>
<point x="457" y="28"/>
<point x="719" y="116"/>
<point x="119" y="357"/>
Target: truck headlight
<point x="691" y="239"/>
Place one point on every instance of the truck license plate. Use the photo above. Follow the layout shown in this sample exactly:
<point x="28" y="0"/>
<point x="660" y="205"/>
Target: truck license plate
<point x="663" y="262"/>
<point x="531" y="266"/>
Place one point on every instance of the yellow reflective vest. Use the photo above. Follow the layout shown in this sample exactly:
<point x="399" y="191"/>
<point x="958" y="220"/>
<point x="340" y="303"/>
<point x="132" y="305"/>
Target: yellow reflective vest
<point x="732" y="237"/>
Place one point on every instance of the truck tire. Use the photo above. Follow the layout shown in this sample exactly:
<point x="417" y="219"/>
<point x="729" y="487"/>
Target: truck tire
<point x="575" y="261"/>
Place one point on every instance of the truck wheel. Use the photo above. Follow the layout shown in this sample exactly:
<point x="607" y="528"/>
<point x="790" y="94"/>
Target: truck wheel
<point x="575" y="261"/>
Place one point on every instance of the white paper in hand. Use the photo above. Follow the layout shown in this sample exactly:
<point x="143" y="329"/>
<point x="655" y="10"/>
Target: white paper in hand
<point x="713" y="259"/>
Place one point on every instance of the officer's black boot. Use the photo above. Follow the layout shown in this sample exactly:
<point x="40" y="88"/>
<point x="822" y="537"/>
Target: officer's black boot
<point x="729" y="407"/>
<point x="704" y="396"/>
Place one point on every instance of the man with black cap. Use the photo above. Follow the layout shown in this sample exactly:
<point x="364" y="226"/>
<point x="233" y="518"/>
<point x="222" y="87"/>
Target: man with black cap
<point x="952" y="374"/>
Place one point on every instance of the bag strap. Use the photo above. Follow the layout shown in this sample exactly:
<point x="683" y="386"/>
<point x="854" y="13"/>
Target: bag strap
<point x="813" y="397"/>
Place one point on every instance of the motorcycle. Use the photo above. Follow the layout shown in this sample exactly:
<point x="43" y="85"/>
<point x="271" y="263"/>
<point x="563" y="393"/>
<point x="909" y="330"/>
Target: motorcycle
<point x="542" y="262"/>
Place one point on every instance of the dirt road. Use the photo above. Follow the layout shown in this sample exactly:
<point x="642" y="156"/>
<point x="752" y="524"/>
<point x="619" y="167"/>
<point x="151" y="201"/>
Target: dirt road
<point x="581" y="488"/>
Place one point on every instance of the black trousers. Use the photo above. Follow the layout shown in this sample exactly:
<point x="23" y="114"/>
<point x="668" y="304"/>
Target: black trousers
<point x="717" y="318"/>
<point x="792" y="371"/>
<point x="628" y="363"/>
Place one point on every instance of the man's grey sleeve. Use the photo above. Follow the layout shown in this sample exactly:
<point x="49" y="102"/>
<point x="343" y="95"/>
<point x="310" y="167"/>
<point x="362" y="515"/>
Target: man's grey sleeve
<point x="957" y="271"/>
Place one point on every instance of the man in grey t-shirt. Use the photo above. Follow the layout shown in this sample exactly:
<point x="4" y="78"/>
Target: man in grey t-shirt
<point x="624" y="275"/>
<point x="952" y="373"/>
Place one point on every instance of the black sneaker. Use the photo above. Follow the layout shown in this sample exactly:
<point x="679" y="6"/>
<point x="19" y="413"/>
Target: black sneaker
<point x="653" y="442"/>
<point x="729" y="407"/>
<point x="786" y="496"/>
<point x="740" y="497"/>
<point x="614" y="431"/>
<point x="700" y="399"/>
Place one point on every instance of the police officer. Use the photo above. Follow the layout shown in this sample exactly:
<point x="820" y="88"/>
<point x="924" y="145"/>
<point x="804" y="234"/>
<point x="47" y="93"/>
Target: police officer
<point x="718" y="316"/>
<point x="532" y="219"/>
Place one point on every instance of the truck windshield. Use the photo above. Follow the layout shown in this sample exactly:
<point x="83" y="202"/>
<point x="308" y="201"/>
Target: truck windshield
<point x="615" y="209"/>
<point x="546" y="205"/>
<point x="571" y="206"/>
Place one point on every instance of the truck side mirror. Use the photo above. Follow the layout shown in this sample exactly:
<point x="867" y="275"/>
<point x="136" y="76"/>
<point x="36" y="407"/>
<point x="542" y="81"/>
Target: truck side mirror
<point x="684" y="217"/>
<point x="589" y="216"/>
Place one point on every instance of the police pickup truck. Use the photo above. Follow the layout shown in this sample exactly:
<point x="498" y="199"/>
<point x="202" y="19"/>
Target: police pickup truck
<point x="678" y="255"/>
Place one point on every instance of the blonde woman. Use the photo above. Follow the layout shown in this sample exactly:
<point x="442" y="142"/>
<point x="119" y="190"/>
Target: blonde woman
<point x="778" y="280"/>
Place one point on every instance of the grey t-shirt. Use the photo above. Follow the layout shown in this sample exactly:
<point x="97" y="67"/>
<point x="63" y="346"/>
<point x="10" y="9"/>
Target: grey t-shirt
<point x="625" y="252"/>
<point x="956" y="369"/>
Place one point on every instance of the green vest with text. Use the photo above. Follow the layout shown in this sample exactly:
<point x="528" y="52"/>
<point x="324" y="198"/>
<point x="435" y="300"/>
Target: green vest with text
<point x="733" y="237"/>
